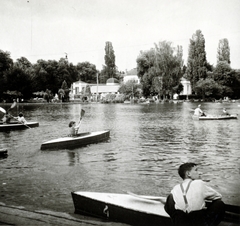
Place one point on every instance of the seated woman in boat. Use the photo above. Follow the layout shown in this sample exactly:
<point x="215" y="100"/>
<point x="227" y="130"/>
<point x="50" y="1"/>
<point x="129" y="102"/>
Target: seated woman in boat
<point x="225" y="112"/>
<point x="73" y="128"/>
<point x="198" y="111"/>
<point x="21" y="118"/>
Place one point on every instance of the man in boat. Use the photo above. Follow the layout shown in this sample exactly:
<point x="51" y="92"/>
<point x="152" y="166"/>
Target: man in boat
<point x="198" y="111"/>
<point x="186" y="204"/>
<point x="225" y="112"/>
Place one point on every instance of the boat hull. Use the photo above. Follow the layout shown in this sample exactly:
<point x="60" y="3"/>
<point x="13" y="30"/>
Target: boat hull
<point x="18" y="126"/>
<point x="215" y="117"/>
<point x="134" y="209"/>
<point x="121" y="208"/>
<point x="80" y="140"/>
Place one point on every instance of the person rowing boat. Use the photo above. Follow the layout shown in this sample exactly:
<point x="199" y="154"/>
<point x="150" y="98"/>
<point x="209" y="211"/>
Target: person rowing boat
<point x="198" y="111"/>
<point x="75" y="127"/>
<point x="21" y="118"/>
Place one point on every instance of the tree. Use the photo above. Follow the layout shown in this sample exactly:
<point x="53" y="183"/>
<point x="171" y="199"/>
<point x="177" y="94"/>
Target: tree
<point x="18" y="79"/>
<point x="208" y="88"/>
<point x="197" y="63"/>
<point x="146" y="70"/>
<point x="5" y="64"/>
<point x="223" y="51"/>
<point x="130" y="89"/>
<point x="168" y="66"/>
<point x="66" y="90"/>
<point x="87" y="72"/>
<point x="61" y="94"/>
<point x="221" y="72"/>
<point x="110" y="69"/>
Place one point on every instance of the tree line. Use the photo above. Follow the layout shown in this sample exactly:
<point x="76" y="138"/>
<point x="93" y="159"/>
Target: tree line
<point x="161" y="69"/>
<point x="24" y="80"/>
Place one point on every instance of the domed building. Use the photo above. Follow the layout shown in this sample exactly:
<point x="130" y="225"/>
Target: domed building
<point x="112" y="81"/>
<point x="111" y="87"/>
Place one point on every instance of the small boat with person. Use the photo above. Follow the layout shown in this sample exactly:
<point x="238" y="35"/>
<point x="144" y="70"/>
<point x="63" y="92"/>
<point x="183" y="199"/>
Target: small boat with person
<point x="18" y="123"/>
<point x="134" y="209"/>
<point x="215" y="117"/>
<point x="79" y="140"/>
<point x="17" y="126"/>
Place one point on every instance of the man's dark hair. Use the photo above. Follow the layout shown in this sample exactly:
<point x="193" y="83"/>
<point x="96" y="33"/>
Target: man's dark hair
<point x="184" y="168"/>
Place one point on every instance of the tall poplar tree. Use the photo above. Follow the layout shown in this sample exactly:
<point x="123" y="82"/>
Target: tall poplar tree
<point x="110" y="68"/>
<point x="197" y="63"/>
<point x="223" y="51"/>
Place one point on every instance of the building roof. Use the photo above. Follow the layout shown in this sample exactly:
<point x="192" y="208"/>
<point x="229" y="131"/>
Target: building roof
<point x="104" y="88"/>
<point x="112" y="81"/>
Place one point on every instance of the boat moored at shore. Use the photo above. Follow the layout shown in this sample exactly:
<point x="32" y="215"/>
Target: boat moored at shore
<point x="134" y="209"/>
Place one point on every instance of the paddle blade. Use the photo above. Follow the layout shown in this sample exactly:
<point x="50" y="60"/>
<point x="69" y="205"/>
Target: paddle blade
<point x="13" y="105"/>
<point x="82" y="113"/>
<point x="2" y="110"/>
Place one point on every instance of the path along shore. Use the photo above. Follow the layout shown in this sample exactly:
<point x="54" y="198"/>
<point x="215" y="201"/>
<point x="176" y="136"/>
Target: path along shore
<point x="12" y="215"/>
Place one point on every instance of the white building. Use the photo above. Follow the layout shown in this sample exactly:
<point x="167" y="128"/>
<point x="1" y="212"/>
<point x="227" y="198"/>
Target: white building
<point x="131" y="76"/>
<point x="111" y="87"/>
<point x="187" y="90"/>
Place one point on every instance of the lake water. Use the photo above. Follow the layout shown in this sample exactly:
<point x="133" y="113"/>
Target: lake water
<point x="147" y="145"/>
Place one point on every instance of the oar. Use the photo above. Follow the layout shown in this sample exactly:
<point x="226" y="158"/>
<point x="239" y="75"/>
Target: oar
<point x="13" y="105"/>
<point x="82" y="114"/>
<point x="2" y="110"/>
<point x="26" y="125"/>
<point x="80" y="120"/>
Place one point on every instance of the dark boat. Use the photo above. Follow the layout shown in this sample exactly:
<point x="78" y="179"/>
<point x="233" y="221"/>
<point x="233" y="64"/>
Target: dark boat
<point x="82" y="139"/>
<point x="3" y="152"/>
<point x="133" y="209"/>
<point x="17" y="126"/>
<point x="215" y="117"/>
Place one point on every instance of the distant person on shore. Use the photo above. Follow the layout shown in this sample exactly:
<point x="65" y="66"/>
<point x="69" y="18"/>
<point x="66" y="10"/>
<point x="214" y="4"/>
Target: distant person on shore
<point x="74" y="128"/>
<point x="198" y="111"/>
<point x="21" y="118"/>
<point x="186" y="203"/>
<point x="225" y="112"/>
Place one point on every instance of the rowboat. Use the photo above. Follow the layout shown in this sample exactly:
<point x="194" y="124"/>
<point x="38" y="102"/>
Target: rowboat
<point x="17" y="126"/>
<point x="3" y="152"/>
<point x="80" y="140"/>
<point x="215" y="117"/>
<point x="133" y="209"/>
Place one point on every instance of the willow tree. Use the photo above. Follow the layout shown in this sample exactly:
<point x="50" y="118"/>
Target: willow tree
<point x="197" y="63"/>
<point x="146" y="70"/>
<point x="160" y="69"/>
<point x="168" y="64"/>
<point x="223" y="51"/>
<point x="110" y="68"/>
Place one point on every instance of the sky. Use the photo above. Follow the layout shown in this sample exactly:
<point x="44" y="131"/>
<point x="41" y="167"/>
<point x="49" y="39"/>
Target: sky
<point x="50" y="29"/>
